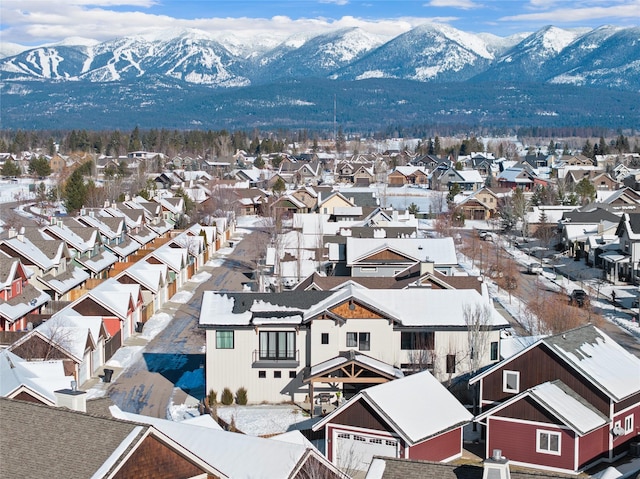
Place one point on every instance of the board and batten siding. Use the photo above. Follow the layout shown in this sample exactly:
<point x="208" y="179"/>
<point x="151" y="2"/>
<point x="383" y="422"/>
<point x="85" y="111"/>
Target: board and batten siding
<point x="538" y="366"/>
<point x="501" y="434"/>
<point x="233" y="368"/>
<point x="447" y="445"/>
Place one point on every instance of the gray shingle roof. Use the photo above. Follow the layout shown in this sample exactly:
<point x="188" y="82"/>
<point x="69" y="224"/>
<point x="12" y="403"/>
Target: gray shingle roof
<point x="40" y="441"/>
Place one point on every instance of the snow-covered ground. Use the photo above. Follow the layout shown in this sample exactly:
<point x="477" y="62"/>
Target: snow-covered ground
<point x="181" y="297"/>
<point x="262" y="420"/>
<point x="154" y="325"/>
<point x="200" y="277"/>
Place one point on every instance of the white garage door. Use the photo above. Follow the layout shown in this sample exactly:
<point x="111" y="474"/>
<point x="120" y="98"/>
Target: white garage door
<point x="355" y="451"/>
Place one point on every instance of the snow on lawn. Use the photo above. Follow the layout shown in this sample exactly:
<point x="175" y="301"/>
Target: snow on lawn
<point x="191" y="379"/>
<point x="125" y="356"/>
<point x="200" y="277"/>
<point x="181" y="297"/>
<point x="263" y="420"/>
<point x="154" y="325"/>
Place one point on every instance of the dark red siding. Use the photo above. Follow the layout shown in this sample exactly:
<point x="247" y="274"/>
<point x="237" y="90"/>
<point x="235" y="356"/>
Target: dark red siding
<point x="438" y="448"/>
<point x="538" y="366"/>
<point x="360" y="414"/>
<point x="518" y="442"/>
<point x="593" y="446"/>
<point x="625" y="403"/>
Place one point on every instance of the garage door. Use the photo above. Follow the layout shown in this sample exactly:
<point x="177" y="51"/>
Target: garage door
<point x="355" y="451"/>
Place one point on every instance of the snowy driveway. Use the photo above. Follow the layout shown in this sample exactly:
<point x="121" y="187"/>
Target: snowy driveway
<point x="164" y="364"/>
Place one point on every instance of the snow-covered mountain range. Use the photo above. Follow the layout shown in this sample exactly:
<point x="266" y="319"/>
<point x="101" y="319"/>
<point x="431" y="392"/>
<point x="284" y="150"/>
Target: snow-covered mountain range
<point x="607" y="57"/>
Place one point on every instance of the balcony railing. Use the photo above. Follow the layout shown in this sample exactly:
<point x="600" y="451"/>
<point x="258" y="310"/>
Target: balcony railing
<point x="274" y="359"/>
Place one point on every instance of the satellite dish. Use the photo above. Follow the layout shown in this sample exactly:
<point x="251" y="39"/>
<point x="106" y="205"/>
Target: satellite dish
<point x="33" y="302"/>
<point x="29" y="326"/>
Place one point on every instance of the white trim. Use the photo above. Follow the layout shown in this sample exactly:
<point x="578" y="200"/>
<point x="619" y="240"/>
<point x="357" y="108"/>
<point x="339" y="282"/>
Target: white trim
<point x="629" y="429"/>
<point x="548" y="450"/>
<point x="505" y="388"/>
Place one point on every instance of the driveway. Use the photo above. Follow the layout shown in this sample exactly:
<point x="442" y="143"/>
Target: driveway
<point x="168" y="369"/>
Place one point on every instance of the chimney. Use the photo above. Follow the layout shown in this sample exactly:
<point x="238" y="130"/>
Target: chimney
<point x="496" y="467"/>
<point x="72" y="398"/>
<point x="395" y="215"/>
<point x="20" y="235"/>
<point x="106" y="203"/>
<point x="12" y="232"/>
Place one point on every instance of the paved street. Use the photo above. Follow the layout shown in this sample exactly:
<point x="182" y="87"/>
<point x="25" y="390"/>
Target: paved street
<point x="164" y="369"/>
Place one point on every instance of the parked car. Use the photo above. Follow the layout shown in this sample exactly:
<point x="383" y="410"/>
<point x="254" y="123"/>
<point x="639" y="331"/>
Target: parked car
<point x="534" y="268"/>
<point x="578" y="297"/>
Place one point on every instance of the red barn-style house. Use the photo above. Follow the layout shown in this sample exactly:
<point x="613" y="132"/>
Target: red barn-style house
<point x="564" y="404"/>
<point x="414" y="417"/>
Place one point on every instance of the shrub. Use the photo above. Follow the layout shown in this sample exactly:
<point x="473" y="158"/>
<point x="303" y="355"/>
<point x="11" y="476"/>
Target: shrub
<point x="241" y="397"/>
<point x="212" y="398"/>
<point x="227" y="397"/>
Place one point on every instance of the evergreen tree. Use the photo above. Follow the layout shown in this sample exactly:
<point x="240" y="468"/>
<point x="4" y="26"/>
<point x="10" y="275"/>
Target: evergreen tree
<point x="551" y="149"/>
<point x="278" y="187"/>
<point x="585" y="191"/>
<point x="258" y="162"/>
<point x="587" y="149"/>
<point x="75" y="192"/>
<point x="10" y="168"/>
<point x="39" y="166"/>
<point x="437" y="149"/>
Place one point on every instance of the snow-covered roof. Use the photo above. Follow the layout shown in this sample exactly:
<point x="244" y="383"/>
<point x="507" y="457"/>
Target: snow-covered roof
<point x="30" y="251"/>
<point x="437" y="307"/>
<point x="149" y="275"/>
<point x="175" y="258"/>
<point x="29" y="300"/>
<point x="66" y="280"/>
<point x="373" y="363"/>
<point x="41" y="377"/>
<point x="441" y="251"/>
<point x="595" y="356"/>
<point x="471" y="176"/>
<point x="99" y="262"/>
<point x="124" y="249"/>
<point x="512" y="345"/>
<point x="417" y="407"/>
<point x="228" y="452"/>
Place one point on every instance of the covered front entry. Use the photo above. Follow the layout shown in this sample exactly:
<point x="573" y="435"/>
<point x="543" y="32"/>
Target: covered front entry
<point x="346" y="375"/>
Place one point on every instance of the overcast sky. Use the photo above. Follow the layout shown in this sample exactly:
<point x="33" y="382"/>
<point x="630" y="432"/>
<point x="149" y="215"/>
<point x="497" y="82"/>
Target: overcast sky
<point x="35" y="22"/>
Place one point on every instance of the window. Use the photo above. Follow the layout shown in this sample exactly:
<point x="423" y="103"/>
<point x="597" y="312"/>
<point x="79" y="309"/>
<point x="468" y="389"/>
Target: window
<point x="324" y="338"/>
<point x="277" y="345"/>
<point x="628" y="424"/>
<point x="494" y="351"/>
<point x="511" y="381"/>
<point x="362" y="341"/>
<point x="262" y="374"/>
<point x="365" y="341"/>
<point x="417" y="340"/>
<point x="369" y="269"/>
<point x="548" y="442"/>
<point x="277" y="374"/>
<point x="224" y="339"/>
<point x="292" y="374"/>
<point x="451" y="363"/>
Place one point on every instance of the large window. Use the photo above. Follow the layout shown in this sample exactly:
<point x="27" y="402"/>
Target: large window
<point x="511" y="381"/>
<point x="417" y="340"/>
<point x="362" y="341"/>
<point x="494" y="351"/>
<point x="276" y="345"/>
<point x="548" y="442"/>
<point x="451" y="363"/>
<point x="224" y="339"/>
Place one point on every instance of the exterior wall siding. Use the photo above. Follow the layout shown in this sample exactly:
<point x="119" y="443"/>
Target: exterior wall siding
<point x="438" y="448"/>
<point x="536" y="367"/>
<point x="593" y="446"/>
<point x="153" y="459"/>
<point x="501" y="434"/>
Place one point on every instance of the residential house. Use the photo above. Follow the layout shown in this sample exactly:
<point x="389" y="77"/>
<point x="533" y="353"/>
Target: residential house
<point x="390" y="256"/>
<point x="518" y="177"/>
<point x="572" y="400"/>
<point x="334" y="200"/>
<point x="413" y="417"/>
<point x="18" y="298"/>
<point x="364" y="176"/>
<point x="276" y="341"/>
<point x="49" y="261"/>
<point x="480" y="205"/>
<point x="467" y="180"/>
<point x="577" y="226"/>
<point x="408" y="175"/>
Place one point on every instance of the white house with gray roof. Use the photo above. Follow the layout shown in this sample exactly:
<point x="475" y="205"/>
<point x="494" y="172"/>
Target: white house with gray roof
<point x="271" y="343"/>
